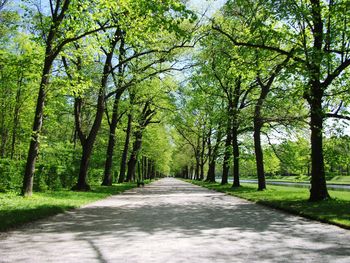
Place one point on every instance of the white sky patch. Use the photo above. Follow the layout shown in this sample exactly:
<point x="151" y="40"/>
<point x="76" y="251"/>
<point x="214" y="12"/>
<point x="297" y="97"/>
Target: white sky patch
<point x="208" y="6"/>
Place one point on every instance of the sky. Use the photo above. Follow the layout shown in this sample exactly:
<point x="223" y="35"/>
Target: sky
<point x="210" y="6"/>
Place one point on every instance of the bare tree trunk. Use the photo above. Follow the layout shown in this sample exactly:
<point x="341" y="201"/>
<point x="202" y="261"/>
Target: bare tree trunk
<point x="125" y="150"/>
<point x="107" y="179"/>
<point x="27" y="187"/>
<point x="227" y="153"/>
<point x="259" y="156"/>
<point x="82" y="184"/>
<point x="318" y="189"/>
<point x="235" y="145"/>
<point x="202" y="158"/>
<point x="16" y="119"/>
<point x="211" y="171"/>
<point x="134" y="156"/>
<point x="149" y="169"/>
<point x="50" y="55"/>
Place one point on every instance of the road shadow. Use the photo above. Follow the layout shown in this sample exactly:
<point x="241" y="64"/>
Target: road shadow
<point x="180" y="212"/>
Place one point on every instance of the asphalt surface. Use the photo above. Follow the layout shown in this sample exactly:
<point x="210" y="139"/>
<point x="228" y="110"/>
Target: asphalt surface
<point x="173" y="221"/>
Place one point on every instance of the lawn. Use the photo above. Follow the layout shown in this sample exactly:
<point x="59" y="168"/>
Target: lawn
<point x="294" y="200"/>
<point x="16" y="210"/>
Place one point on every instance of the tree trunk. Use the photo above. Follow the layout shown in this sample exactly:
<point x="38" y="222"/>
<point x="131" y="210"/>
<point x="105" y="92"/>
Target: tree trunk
<point x="211" y="171"/>
<point x="227" y="154"/>
<point x="27" y="187"/>
<point x="318" y="189"/>
<point x="133" y="157"/>
<point x="235" y="145"/>
<point x="139" y="174"/>
<point x="149" y="169"/>
<point x="201" y="175"/>
<point x="202" y="163"/>
<point x="258" y="124"/>
<point x="89" y="141"/>
<point x="125" y="150"/>
<point x="259" y="156"/>
<point x="82" y="184"/>
<point x="4" y="137"/>
<point x="144" y="167"/>
<point x="196" y="171"/>
<point x="16" y="120"/>
<point x="107" y="179"/>
<point x="213" y="153"/>
<point x="152" y="169"/>
<point x="50" y="55"/>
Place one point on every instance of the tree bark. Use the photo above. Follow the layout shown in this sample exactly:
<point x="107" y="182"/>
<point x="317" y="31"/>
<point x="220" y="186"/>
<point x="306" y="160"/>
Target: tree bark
<point x="82" y="184"/>
<point x="213" y="154"/>
<point x="202" y="158"/>
<point x="123" y="162"/>
<point x="235" y="145"/>
<point x="27" y="187"/>
<point x="133" y="157"/>
<point x="227" y="153"/>
<point x="152" y="169"/>
<point x="211" y="171"/>
<point x="259" y="155"/>
<point x="258" y="124"/>
<point x="144" y="167"/>
<point x="50" y="55"/>
<point x="87" y="145"/>
<point x="88" y="142"/>
<point x="197" y="169"/>
<point x="16" y="120"/>
<point x="318" y="189"/>
<point x="107" y="178"/>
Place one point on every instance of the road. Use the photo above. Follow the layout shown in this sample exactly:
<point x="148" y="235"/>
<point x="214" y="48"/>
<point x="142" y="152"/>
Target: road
<point x="338" y="187"/>
<point x="173" y="221"/>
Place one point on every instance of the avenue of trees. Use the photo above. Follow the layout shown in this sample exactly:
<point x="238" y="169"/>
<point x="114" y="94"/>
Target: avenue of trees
<point x="271" y="90"/>
<point x="85" y="83"/>
<point x="98" y="92"/>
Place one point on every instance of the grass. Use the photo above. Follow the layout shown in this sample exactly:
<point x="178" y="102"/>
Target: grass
<point x="16" y="210"/>
<point x="304" y="178"/>
<point x="293" y="200"/>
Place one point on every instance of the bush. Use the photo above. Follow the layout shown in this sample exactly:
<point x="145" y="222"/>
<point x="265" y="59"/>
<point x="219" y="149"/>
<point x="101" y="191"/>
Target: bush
<point x="11" y="175"/>
<point x="95" y="176"/>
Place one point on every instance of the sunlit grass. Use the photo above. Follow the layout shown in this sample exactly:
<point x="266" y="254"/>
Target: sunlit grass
<point x="16" y="210"/>
<point x="294" y="200"/>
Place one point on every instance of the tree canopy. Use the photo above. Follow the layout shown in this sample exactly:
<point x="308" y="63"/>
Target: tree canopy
<point x="103" y="91"/>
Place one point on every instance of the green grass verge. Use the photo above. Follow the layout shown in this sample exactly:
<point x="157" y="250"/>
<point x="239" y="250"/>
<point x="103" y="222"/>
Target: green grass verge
<point x="16" y="210"/>
<point x="294" y="200"/>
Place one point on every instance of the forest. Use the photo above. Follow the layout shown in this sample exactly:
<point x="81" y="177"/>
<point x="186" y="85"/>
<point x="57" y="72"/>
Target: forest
<point x="103" y="92"/>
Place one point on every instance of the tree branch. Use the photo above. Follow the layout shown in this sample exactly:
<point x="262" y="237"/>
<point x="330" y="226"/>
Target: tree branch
<point x="337" y="116"/>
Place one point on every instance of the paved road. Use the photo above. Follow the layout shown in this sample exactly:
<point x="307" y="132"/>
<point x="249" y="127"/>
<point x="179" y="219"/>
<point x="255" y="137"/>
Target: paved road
<point x="173" y="221"/>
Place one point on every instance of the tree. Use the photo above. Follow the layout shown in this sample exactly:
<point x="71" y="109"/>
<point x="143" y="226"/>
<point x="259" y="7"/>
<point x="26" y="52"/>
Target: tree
<point x="63" y="16"/>
<point x="304" y="35"/>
